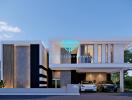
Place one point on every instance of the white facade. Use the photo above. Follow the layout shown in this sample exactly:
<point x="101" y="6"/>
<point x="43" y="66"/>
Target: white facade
<point x="19" y="64"/>
<point x="111" y="59"/>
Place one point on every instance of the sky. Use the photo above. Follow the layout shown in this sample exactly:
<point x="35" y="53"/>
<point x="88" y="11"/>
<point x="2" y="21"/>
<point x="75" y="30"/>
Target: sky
<point x="70" y="19"/>
<point x="65" y="19"/>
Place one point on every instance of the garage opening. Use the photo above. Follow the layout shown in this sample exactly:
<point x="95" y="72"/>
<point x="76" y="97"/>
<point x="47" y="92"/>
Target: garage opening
<point x="93" y="81"/>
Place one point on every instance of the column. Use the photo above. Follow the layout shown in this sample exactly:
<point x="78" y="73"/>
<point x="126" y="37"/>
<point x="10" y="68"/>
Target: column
<point x="78" y="55"/>
<point x="95" y="53"/>
<point x="1" y="67"/>
<point x="103" y="53"/>
<point x="109" y="53"/>
<point x="121" y="80"/>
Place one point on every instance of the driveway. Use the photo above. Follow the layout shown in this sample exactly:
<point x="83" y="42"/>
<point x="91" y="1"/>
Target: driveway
<point x="85" y="96"/>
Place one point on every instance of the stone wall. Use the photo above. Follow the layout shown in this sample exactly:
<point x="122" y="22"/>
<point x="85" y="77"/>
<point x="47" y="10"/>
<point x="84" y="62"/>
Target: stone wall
<point x="65" y="78"/>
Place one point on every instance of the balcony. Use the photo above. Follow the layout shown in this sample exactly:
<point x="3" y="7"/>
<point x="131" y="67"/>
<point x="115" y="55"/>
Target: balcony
<point x="73" y="59"/>
<point x="84" y="62"/>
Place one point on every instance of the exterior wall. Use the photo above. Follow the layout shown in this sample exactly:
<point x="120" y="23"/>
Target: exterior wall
<point x="21" y="64"/>
<point x="65" y="78"/>
<point x="96" y="76"/>
<point x="1" y="69"/>
<point x="54" y="56"/>
<point x="43" y="70"/>
<point x="8" y="65"/>
<point x="119" y="53"/>
<point x="34" y="63"/>
<point x="22" y="70"/>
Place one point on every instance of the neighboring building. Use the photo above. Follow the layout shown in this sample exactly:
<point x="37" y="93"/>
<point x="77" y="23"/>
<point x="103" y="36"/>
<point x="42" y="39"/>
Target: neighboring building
<point x="24" y="64"/>
<point x="76" y="61"/>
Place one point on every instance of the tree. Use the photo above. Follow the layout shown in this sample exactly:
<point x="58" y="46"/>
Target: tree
<point x="115" y="78"/>
<point x="127" y="56"/>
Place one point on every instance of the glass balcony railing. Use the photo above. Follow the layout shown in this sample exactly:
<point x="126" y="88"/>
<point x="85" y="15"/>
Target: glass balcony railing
<point x="67" y="59"/>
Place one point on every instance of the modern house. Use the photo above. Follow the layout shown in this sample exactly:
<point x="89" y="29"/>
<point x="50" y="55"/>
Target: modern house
<point x="27" y="64"/>
<point x="24" y="64"/>
<point x="75" y="61"/>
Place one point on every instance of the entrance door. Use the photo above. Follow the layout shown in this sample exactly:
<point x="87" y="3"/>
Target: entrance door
<point x="73" y="58"/>
<point x="55" y="83"/>
<point x="81" y="77"/>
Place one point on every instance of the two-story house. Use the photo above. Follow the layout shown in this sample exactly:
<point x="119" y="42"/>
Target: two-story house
<point x="24" y="64"/>
<point x="75" y="61"/>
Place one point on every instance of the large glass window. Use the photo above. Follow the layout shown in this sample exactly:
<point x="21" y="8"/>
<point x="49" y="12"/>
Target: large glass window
<point x="55" y="79"/>
<point x="87" y="53"/>
<point x="111" y="51"/>
<point x="99" y="53"/>
<point x="91" y="52"/>
<point x="106" y="53"/>
<point x="65" y="57"/>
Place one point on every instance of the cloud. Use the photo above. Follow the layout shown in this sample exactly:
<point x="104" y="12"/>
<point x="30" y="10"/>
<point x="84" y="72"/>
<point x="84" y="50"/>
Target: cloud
<point x="7" y="31"/>
<point x="5" y="27"/>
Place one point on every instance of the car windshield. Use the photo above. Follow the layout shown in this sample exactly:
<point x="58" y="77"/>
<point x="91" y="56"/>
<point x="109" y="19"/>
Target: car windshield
<point x="88" y="82"/>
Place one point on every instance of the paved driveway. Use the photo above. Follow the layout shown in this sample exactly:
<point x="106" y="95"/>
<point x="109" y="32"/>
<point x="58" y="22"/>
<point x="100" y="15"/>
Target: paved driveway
<point x="85" y="96"/>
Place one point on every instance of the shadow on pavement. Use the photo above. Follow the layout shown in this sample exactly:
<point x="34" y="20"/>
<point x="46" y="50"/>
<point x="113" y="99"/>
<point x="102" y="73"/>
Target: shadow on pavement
<point x="22" y="96"/>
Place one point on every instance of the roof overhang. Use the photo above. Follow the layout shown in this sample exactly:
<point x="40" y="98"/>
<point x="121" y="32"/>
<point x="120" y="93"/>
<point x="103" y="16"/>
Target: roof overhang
<point x="89" y="66"/>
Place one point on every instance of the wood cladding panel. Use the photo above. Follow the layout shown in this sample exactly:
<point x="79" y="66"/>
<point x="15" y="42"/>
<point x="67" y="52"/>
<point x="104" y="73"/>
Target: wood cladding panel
<point x="8" y="65"/>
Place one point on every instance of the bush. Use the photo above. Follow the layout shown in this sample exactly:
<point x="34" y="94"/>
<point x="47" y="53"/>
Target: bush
<point x="128" y="82"/>
<point x="2" y="84"/>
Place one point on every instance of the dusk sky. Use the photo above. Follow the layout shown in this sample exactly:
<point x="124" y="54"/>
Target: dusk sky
<point x="65" y="19"/>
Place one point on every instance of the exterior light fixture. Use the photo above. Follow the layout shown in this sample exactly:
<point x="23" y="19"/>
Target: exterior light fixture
<point x="69" y="45"/>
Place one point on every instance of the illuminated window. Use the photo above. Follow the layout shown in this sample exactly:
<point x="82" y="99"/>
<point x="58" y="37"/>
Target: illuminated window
<point x="111" y="51"/>
<point x="56" y="79"/>
<point x="56" y="74"/>
<point x="91" y="52"/>
<point x="87" y="53"/>
<point x="106" y="53"/>
<point x="99" y="53"/>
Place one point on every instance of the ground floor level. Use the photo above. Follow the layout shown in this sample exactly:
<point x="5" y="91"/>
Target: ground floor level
<point x="60" y="78"/>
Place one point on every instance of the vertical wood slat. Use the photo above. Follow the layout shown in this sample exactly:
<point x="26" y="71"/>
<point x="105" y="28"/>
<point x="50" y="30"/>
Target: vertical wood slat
<point x="8" y="65"/>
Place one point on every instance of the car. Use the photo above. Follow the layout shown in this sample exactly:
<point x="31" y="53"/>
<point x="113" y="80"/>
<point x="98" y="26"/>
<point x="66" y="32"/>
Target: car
<point x="88" y="86"/>
<point x="106" y="86"/>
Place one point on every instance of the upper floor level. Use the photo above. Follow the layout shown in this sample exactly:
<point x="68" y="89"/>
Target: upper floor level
<point x="91" y="52"/>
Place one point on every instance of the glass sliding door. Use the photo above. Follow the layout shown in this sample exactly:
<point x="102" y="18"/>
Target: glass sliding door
<point x="111" y="51"/>
<point x="99" y="53"/>
<point x="90" y="53"/>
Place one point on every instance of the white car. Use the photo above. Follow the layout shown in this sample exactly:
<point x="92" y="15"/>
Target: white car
<point x="88" y="86"/>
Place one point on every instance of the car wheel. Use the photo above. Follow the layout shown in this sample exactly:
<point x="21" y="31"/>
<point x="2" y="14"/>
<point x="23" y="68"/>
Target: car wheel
<point x="115" y="90"/>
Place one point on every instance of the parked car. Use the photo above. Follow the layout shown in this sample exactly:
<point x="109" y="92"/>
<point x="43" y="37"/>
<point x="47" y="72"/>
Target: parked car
<point x="106" y="86"/>
<point x="88" y="86"/>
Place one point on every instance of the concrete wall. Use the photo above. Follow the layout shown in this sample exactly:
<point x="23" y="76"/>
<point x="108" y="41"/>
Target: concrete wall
<point x="119" y="53"/>
<point x="65" y="78"/>
<point x="69" y="90"/>
<point x="22" y="71"/>
<point x="54" y="55"/>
